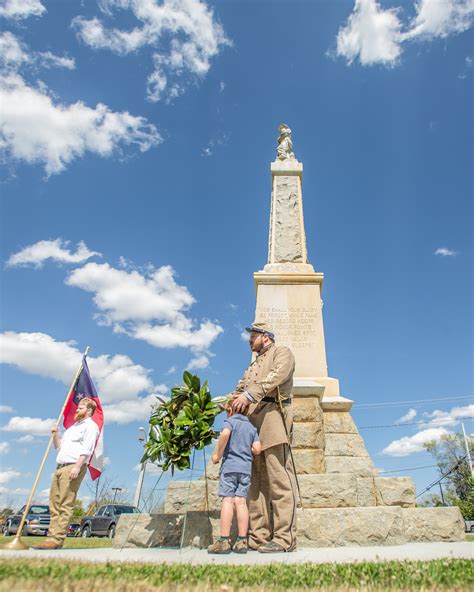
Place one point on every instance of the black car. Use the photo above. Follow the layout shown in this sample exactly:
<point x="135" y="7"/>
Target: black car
<point x="36" y="523"/>
<point x="104" y="521"/>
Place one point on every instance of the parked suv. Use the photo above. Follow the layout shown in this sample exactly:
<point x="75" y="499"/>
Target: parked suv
<point x="36" y="523"/>
<point x="104" y="521"/>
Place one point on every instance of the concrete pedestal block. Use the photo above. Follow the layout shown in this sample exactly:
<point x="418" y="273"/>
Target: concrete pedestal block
<point x="395" y="491"/>
<point x="433" y="524"/>
<point x="344" y="527"/>
<point x="191" y="496"/>
<point x="308" y="435"/>
<point x="366" y="492"/>
<point x="165" y="530"/>
<point x="360" y="466"/>
<point x="339" y="423"/>
<point x="328" y="491"/>
<point x="307" y="409"/>
<point x="310" y="461"/>
<point x="345" y="445"/>
<point x="317" y="527"/>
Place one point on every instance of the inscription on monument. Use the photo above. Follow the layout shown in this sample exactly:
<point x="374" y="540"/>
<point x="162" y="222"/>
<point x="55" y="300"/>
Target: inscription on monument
<point x="295" y="326"/>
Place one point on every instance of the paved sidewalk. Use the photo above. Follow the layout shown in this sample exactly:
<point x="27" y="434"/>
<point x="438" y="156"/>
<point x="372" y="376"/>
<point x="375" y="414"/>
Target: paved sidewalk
<point x="412" y="552"/>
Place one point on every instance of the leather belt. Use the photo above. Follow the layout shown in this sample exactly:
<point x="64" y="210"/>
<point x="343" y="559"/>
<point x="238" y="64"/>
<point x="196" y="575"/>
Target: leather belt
<point x="272" y="400"/>
<point x="62" y="465"/>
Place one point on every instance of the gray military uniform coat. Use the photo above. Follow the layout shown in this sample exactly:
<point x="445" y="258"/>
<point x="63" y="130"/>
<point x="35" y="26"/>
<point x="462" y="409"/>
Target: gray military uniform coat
<point x="270" y="371"/>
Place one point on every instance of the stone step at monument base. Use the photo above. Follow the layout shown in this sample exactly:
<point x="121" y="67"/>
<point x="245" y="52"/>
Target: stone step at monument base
<point x="317" y="527"/>
<point x="317" y="491"/>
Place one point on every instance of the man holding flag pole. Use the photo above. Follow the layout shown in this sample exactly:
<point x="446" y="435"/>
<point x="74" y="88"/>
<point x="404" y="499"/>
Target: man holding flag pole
<point x="79" y="447"/>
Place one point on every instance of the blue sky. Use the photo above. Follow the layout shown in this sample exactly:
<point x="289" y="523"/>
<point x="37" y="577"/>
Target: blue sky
<point x="136" y="141"/>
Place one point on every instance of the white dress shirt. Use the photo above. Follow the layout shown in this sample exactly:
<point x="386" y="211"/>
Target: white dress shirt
<point x="78" y="440"/>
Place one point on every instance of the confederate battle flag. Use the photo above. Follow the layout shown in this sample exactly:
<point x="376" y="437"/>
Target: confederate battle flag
<point x="84" y="387"/>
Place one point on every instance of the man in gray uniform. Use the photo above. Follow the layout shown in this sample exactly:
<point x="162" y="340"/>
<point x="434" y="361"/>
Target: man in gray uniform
<point x="272" y="498"/>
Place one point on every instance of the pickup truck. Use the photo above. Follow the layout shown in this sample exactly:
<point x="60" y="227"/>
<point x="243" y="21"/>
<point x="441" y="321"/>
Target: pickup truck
<point x="104" y="521"/>
<point x="36" y="523"/>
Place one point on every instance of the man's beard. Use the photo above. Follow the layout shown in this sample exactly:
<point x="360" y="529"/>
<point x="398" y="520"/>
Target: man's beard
<point x="80" y="414"/>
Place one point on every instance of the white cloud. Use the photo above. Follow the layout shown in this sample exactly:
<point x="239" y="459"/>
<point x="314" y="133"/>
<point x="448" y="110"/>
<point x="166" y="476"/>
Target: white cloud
<point x="372" y="34"/>
<point x="214" y="143"/>
<point x="199" y="362"/>
<point x="50" y="60"/>
<point x="8" y="475"/>
<point x="4" y="447"/>
<point x="57" y="250"/>
<point x="376" y="36"/>
<point x="221" y="86"/>
<point x="31" y="425"/>
<point x="151" y="468"/>
<point x="6" y="409"/>
<point x="130" y="410"/>
<point x="183" y="36"/>
<point x="21" y="9"/>
<point x="449" y="418"/>
<point x="411" y="444"/>
<point x="14" y="53"/>
<point x="437" y="18"/>
<point x="149" y="306"/>
<point x="117" y="377"/>
<point x="171" y="370"/>
<point x="445" y="252"/>
<point x="411" y="414"/>
<point x="26" y="439"/>
<point x="36" y="129"/>
<point x="16" y="491"/>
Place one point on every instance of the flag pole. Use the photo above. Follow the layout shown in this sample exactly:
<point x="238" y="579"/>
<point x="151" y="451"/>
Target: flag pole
<point x="17" y="544"/>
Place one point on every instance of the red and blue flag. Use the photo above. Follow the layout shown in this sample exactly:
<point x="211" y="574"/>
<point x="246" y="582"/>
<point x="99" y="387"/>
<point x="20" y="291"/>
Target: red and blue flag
<point x="84" y="387"/>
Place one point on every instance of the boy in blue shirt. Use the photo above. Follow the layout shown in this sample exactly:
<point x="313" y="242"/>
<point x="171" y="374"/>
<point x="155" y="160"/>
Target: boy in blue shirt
<point x="237" y="441"/>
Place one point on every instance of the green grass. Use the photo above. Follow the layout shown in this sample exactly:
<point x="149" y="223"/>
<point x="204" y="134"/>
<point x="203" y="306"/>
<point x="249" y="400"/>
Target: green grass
<point x="54" y="575"/>
<point x="470" y="537"/>
<point x="69" y="543"/>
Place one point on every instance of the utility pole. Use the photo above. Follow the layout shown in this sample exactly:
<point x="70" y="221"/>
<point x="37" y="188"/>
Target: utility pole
<point x="141" y="475"/>
<point x="442" y="494"/>
<point x="115" y="489"/>
<point x="467" y="450"/>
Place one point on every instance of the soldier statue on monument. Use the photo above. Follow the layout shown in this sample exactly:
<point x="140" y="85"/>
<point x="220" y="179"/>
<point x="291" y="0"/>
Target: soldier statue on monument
<point x="265" y="391"/>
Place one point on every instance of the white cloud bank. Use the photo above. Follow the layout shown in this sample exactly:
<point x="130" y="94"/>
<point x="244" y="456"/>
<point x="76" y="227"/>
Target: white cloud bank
<point x="29" y="425"/>
<point x="149" y="305"/>
<point x="411" y="414"/>
<point x="183" y="36"/>
<point x="126" y="389"/>
<point x="4" y="447"/>
<point x="411" y="444"/>
<point x="375" y="35"/>
<point x="445" y="252"/>
<point x="8" y="475"/>
<point x="21" y="9"/>
<point x="36" y="129"/>
<point x="432" y="429"/>
<point x="57" y="250"/>
<point x="14" y="53"/>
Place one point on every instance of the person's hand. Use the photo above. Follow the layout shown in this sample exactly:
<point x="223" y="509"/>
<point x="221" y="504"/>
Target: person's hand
<point x="55" y="428"/>
<point x="74" y="474"/>
<point x="240" y="403"/>
<point x="215" y="458"/>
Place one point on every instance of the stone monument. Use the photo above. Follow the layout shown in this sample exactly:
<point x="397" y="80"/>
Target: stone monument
<point x="344" y="501"/>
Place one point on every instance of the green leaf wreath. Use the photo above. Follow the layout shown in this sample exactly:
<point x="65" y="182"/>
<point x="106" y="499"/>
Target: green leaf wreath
<point x="181" y="424"/>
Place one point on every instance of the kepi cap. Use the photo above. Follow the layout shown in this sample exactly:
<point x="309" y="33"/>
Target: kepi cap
<point x="263" y="328"/>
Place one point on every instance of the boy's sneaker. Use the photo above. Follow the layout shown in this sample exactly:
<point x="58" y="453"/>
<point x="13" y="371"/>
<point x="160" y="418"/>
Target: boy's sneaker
<point x="221" y="547"/>
<point x="240" y="545"/>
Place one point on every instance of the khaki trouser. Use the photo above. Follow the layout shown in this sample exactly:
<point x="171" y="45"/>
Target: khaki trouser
<point x="62" y="496"/>
<point x="272" y="498"/>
